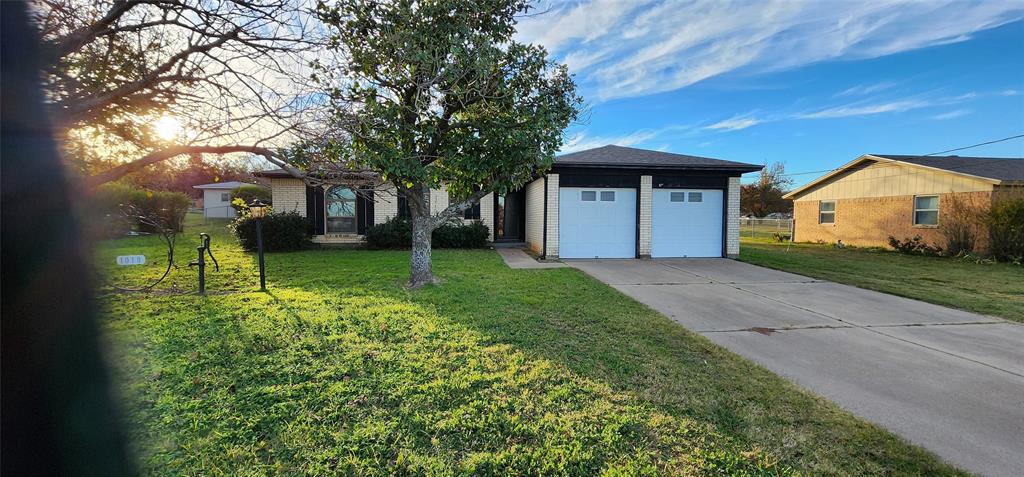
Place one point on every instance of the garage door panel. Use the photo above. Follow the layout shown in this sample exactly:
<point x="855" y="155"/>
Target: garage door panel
<point x="690" y="226"/>
<point x="597" y="228"/>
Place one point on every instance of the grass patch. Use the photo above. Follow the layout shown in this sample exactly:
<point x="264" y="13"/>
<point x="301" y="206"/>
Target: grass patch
<point x="340" y="370"/>
<point x="995" y="289"/>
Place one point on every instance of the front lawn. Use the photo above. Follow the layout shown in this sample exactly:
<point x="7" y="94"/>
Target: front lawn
<point x="340" y="370"/>
<point x="989" y="288"/>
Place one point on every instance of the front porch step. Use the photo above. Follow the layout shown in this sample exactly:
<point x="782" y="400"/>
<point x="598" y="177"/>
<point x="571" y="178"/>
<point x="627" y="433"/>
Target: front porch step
<point x="508" y="244"/>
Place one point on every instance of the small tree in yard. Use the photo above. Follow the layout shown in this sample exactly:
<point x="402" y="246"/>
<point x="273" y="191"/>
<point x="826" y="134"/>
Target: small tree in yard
<point x="438" y="92"/>
<point x="765" y="196"/>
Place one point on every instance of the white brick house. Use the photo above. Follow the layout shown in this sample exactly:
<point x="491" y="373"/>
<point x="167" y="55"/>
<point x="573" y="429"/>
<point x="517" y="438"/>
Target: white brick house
<point x="608" y="202"/>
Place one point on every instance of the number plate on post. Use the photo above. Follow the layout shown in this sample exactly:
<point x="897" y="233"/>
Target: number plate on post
<point x="131" y="260"/>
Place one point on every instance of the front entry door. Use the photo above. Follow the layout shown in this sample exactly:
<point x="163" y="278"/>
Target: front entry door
<point x="509" y="217"/>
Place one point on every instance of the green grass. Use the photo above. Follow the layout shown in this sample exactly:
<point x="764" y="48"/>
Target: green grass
<point x="995" y="289"/>
<point x="340" y="370"/>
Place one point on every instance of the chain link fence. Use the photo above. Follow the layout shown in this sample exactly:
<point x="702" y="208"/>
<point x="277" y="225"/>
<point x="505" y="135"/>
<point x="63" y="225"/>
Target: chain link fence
<point x="769" y="229"/>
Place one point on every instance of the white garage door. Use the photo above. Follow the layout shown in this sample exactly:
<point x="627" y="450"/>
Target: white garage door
<point x="596" y="222"/>
<point x="686" y="223"/>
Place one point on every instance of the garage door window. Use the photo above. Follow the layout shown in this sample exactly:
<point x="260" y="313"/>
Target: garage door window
<point x="827" y="212"/>
<point x="696" y="197"/>
<point x="677" y="197"/>
<point x="607" y="196"/>
<point x="588" y="196"/>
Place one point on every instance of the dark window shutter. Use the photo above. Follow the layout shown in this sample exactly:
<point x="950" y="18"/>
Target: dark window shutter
<point x="403" y="208"/>
<point x="364" y="211"/>
<point x="319" y="219"/>
<point x="311" y="209"/>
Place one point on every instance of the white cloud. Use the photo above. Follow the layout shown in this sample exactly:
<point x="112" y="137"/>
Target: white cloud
<point x="866" y="89"/>
<point x="735" y="123"/>
<point x="956" y="113"/>
<point x="865" y="109"/>
<point x="1010" y="92"/>
<point x="624" y="48"/>
<point x="582" y="141"/>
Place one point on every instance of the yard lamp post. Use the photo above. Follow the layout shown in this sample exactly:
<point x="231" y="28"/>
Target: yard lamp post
<point x="258" y="209"/>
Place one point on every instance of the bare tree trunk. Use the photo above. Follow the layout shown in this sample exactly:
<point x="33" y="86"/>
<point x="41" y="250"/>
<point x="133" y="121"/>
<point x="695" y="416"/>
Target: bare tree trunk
<point x="422" y="271"/>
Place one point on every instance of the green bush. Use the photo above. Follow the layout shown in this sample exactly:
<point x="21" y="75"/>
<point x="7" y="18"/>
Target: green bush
<point x="461" y="235"/>
<point x="120" y="207"/>
<point x="396" y="233"/>
<point x="282" y="232"/>
<point x="1006" y="227"/>
<point x="248" y="193"/>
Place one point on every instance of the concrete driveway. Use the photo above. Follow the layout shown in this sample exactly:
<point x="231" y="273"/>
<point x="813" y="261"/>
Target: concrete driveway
<point x="948" y="380"/>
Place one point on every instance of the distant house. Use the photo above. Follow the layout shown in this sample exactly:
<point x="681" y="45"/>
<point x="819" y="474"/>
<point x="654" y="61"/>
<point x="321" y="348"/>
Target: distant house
<point x="217" y="199"/>
<point x="880" y="195"/>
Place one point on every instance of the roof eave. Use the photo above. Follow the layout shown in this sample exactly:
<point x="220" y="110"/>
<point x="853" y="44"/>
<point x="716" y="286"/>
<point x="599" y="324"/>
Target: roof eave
<point x="663" y="167"/>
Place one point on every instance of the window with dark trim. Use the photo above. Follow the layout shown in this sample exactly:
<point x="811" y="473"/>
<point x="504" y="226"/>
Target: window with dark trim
<point x="340" y="207"/>
<point x="827" y="212"/>
<point x="696" y="197"/>
<point x="225" y="197"/>
<point x="607" y="196"/>
<point x="677" y="197"/>
<point x="926" y="210"/>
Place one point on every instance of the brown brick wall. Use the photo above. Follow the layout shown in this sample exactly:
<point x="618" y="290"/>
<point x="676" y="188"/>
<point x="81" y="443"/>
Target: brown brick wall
<point x="870" y="221"/>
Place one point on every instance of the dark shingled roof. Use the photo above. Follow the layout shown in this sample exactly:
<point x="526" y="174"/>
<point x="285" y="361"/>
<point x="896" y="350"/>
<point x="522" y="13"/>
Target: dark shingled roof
<point x="618" y="156"/>
<point x="998" y="168"/>
<point x="274" y="173"/>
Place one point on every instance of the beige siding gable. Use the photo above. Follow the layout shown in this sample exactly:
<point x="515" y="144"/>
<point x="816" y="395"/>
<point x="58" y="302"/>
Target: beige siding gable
<point x="882" y="179"/>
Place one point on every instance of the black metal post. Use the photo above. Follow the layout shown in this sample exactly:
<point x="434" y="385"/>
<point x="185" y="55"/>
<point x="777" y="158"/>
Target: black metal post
<point x="202" y="266"/>
<point x="259" y="248"/>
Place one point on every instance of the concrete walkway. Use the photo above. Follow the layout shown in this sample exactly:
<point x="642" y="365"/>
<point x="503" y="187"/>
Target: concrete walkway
<point x="516" y="258"/>
<point x="948" y="380"/>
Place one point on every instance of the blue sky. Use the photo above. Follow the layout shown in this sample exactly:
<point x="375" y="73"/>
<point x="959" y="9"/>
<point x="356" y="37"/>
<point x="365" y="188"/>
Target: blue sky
<point x="811" y="84"/>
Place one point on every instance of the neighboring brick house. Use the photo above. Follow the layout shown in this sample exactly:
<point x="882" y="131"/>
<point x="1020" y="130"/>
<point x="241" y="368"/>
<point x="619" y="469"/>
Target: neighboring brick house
<point x="880" y="195"/>
<point x="608" y="202"/>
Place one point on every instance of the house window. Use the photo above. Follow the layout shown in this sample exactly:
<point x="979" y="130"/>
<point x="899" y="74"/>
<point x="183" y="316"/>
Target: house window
<point x="827" y="212"/>
<point x="225" y="197"/>
<point x="472" y="213"/>
<point x="926" y="210"/>
<point x="340" y="206"/>
<point x="588" y="196"/>
<point x="696" y="197"/>
<point x="677" y="197"/>
<point x="607" y="196"/>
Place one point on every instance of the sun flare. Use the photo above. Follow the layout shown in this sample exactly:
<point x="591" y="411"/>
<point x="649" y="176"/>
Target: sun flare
<point x="167" y="128"/>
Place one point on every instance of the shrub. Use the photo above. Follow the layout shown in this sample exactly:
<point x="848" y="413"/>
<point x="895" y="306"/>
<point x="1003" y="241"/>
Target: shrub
<point x="121" y="204"/>
<point x="247" y="194"/>
<point x="1005" y="221"/>
<point x="780" y="237"/>
<point x="282" y="232"/>
<point x="396" y="233"/>
<point x="461" y="235"/>
<point x="914" y="246"/>
<point x="962" y="223"/>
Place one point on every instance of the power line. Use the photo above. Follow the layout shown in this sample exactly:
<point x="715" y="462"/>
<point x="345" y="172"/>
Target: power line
<point x="976" y="145"/>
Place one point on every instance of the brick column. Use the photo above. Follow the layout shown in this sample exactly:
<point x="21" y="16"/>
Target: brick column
<point x="732" y="229"/>
<point x="645" y="216"/>
<point x="552" y="225"/>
